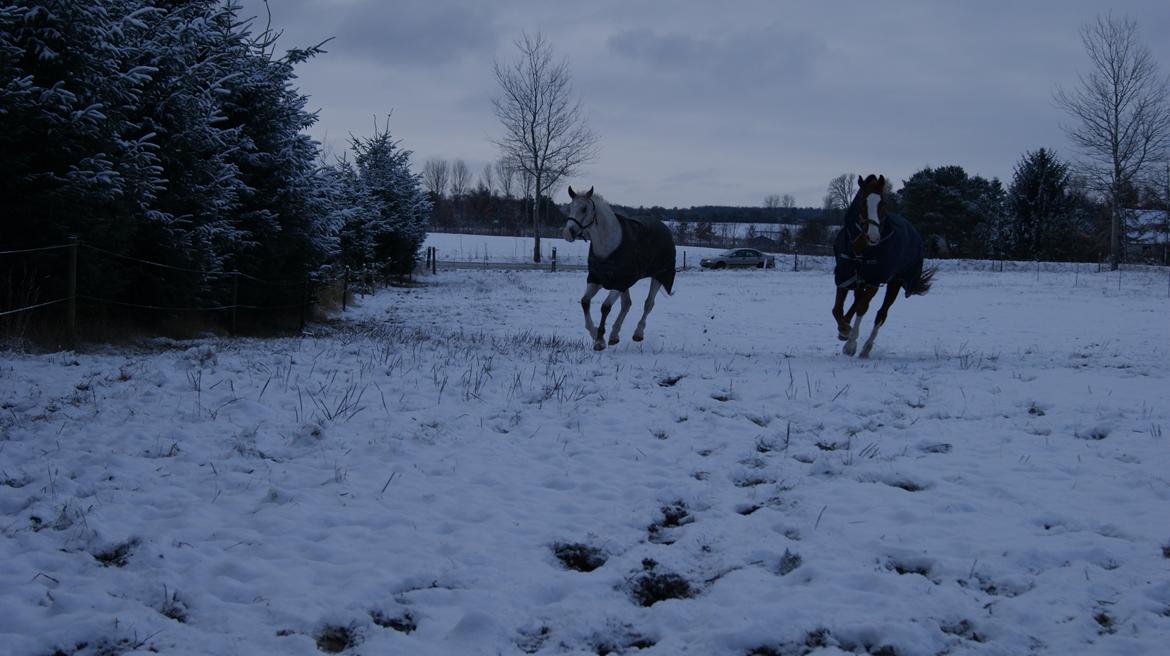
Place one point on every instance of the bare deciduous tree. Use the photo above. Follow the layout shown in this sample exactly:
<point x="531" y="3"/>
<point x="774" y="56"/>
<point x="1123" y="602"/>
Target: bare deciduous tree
<point x="460" y="179"/>
<point x="505" y="177"/>
<point x="545" y="131"/>
<point x="788" y="201"/>
<point x="1120" y="108"/>
<point x="772" y="201"/>
<point x="841" y="191"/>
<point x="436" y="174"/>
<point x="486" y="179"/>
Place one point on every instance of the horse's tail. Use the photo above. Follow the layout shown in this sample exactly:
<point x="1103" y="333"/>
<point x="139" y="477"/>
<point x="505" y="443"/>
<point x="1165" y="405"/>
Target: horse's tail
<point x="667" y="280"/>
<point x="921" y="285"/>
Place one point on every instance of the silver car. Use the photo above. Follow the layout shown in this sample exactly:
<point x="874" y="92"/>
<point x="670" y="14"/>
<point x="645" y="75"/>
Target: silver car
<point x="739" y="257"/>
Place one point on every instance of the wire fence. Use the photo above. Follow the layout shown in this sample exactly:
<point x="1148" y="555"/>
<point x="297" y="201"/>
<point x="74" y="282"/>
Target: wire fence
<point x="26" y="301"/>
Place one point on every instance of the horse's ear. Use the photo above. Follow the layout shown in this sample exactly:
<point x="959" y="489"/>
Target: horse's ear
<point x="589" y="194"/>
<point x="882" y="183"/>
<point x="860" y="181"/>
<point x="572" y="194"/>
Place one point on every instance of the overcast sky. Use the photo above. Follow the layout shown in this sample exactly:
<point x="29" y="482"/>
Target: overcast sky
<point x="704" y="103"/>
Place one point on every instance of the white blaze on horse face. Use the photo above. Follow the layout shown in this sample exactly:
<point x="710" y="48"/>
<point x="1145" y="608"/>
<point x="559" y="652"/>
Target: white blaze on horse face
<point x="875" y="233"/>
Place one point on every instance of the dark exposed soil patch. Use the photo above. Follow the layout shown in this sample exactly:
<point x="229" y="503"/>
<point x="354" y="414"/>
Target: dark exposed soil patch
<point x="577" y="556"/>
<point x="404" y="623"/>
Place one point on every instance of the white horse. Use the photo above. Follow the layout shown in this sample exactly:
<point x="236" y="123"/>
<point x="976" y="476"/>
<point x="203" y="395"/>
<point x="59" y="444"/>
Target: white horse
<point x="622" y="251"/>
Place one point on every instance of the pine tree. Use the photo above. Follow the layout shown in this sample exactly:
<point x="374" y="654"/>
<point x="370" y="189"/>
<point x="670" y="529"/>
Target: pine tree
<point x="389" y="223"/>
<point x="1040" y="206"/>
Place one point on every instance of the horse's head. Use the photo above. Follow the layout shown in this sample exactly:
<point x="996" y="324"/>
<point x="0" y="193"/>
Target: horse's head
<point x="582" y="214"/>
<point x="871" y="209"/>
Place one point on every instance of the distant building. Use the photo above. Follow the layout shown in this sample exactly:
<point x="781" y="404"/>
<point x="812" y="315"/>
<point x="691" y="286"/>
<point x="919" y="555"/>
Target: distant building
<point x="1147" y="236"/>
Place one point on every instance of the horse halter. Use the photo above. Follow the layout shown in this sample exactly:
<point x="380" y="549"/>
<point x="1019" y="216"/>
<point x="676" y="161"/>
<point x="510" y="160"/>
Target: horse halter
<point x="581" y="228"/>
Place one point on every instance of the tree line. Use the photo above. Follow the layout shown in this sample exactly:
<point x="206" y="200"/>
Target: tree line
<point x="174" y="132"/>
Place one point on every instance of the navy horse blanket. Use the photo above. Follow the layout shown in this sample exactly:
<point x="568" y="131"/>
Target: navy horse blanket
<point x="896" y="258"/>
<point x="646" y="251"/>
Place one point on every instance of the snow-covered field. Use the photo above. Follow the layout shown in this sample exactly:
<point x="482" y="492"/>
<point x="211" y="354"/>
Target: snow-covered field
<point x="427" y="474"/>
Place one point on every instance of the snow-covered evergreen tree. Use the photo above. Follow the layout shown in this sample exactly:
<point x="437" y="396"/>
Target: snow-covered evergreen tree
<point x="389" y="225"/>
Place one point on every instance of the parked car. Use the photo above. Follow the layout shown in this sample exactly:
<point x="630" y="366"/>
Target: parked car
<point x="739" y="257"/>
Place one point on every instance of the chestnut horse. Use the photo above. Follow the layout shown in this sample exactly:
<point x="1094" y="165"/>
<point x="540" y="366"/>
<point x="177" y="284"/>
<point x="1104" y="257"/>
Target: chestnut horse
<point x="872" y="249"/>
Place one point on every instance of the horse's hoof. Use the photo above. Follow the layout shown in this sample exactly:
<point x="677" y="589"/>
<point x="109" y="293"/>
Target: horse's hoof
<point x="637" y="337"/>
<point x="850" y="348"/>
<point x="864" y="354"/>
<point x="613" y="341"/>
<point x="842" y="336"/>
<point x="598" y="346"/>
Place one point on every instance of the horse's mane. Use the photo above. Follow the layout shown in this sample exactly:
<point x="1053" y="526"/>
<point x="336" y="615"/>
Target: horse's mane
<point x="602" y="206"/>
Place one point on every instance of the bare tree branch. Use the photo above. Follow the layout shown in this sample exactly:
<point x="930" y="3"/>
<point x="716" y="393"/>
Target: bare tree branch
<point x="1121" y="115"/>
<point x="546" y="136"/>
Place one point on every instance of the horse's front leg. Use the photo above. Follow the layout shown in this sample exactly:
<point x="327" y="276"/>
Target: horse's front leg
<point x="617" y="323"/>
<point x="839" y="314"/>
<point x="606" y="306"/>
<point x="590" y="291"/>
<point x="891" y="295"/>
<point x="861" y="299"/>
<point x="639" y="332"/>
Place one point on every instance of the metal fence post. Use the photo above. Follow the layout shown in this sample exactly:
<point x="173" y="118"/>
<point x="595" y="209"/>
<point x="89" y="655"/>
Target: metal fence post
<point x="235" y="298"/>
<point x="71" y="292"/>
<point x="304" y="303"/>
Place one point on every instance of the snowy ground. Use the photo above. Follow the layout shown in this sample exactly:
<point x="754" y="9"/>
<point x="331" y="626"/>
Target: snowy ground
<point x="993" y="481"/>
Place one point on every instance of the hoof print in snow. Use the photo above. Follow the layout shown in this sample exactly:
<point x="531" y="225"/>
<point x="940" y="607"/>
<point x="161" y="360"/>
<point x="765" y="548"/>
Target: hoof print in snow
<point x="620" y="640"/>
<point x="909" y="566"/>
<point x="579" y="557"/>
<point x="174" y="608"/>
<point x="106" y="648"/>
<point x="531" y="642"/>
<point x="788" y="563"/>
<point x="905" y="484"/>
<point x="963" y="629"/>
<point x="813" y="642"/>
<point x="651" y="586"/>
<point x="1096" y="433"/>
<point x="752" y="480"/>
<point x="673" y="516"/>
<point x="759" y="420"/>
<point x="1166" y="550"/>
<point x="15" y="482"/>
<point x="670" y="381"/>
<point x="117" y="555"/>
<point x="748" y="508"/>
<point x="1035" y="410"/>
<point x="994" y="588"/>
<point x="335" y="639"/>
<point x="404" y="623"/>
<point x="722" y="397"/>
<point x="831" y="446"/>
<point x="938" y="447"/>
<point x="1105" y="623"/>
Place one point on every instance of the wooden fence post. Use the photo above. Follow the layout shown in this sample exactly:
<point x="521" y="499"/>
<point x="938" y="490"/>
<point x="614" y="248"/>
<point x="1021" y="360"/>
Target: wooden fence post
<point x="554" y="259"/>
<point x="684" y="260"/>
<point x="795" y="260"/>
<point x="434" y="260"/>
<point x="71" y="292"/>
<point x="344" y="289"/>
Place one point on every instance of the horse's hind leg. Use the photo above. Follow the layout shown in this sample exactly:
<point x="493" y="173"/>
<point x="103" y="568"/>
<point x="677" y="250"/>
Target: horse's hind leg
<point x="606" y="305"/>
<point x="639" y="332"/>
<point x="891" y="295"/>
<point x="590" y="291"/>
<point x="614" y="338"/>
<point x="861" y="297"/>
